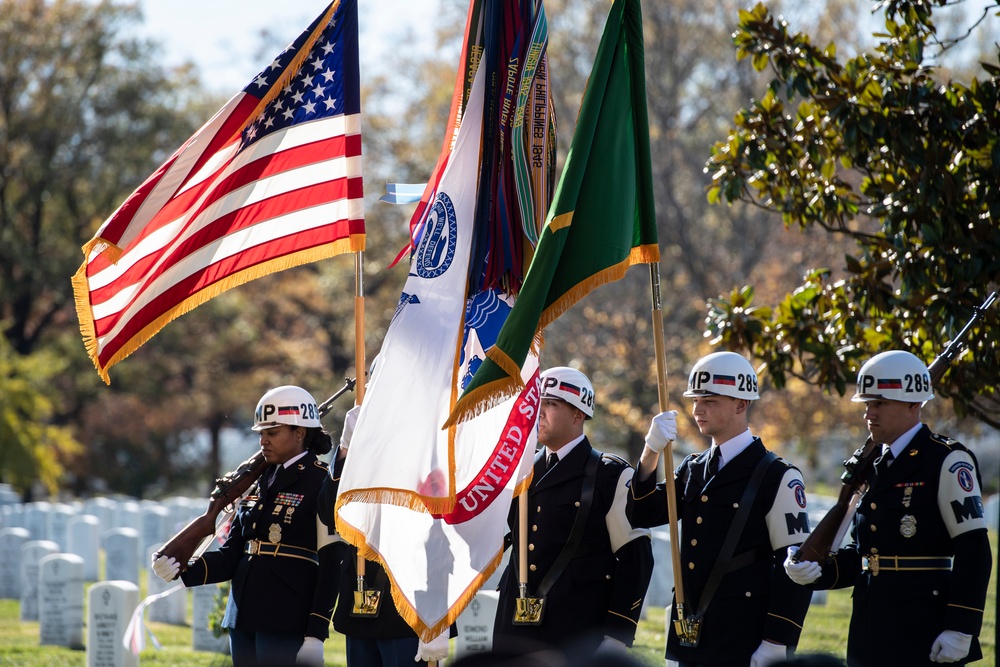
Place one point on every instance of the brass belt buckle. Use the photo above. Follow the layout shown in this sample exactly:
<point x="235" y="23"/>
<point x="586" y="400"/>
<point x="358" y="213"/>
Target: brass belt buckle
<point x="871" y="563"/>
<point x="528" y="611"/>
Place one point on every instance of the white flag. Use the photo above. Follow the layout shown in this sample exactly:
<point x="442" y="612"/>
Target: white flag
<point x="431" y="504"/>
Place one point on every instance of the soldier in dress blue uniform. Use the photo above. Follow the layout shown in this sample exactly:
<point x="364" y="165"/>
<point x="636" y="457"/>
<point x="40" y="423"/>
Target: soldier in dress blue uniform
<point x="384" y="639"/>
<point x="920" y="559"/>
<point x="594" y="592"/>
<point x="751" y="613"/>
<point x="278" y="555"/>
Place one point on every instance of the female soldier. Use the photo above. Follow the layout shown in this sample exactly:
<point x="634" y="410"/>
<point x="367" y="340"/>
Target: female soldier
<point x="279" y="558"/>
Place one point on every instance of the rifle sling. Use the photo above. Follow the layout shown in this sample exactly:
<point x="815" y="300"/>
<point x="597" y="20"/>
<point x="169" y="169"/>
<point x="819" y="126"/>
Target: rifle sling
<point x="725" y="563"/>
<point x="579" y="526"/>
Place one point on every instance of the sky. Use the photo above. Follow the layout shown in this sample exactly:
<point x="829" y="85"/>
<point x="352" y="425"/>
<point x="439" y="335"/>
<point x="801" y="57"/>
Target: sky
<point x="222" y="37"/>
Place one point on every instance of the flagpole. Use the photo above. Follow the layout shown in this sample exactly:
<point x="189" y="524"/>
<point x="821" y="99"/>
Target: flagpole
<point x="659" y="349"/>
<point x="359" y="361"/>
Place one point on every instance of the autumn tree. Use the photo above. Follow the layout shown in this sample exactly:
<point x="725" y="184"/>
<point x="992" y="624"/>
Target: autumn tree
<point x="893" y="151"/>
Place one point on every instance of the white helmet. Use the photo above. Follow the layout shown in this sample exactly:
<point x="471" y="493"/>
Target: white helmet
<point x="723" y="373"/>
<point x="894" y="376"/>
<point x="569" y="385"/>
<point x="286" y="405"/>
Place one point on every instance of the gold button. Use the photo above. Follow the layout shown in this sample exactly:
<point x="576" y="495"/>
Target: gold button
<point x="704" y="499"/>
<point x="694" y="543"/>
<point x="538" y="509"/>
<point x="608" y="577"/>
<point x="531" y="547"/>
<point x="690" y="566"/>
<point x="576" y="504"/>
<point x="736" y="505"/>
<point x="873" y="528"/>
<point x="748" y="593"/>
<point x="873" y="506"/>
<point x="698" y="520"/>
<point x="534" y="528"/>
<point x="532" y="567"/>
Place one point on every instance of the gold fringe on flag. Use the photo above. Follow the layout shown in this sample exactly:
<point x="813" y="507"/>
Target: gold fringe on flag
<point x="81" y="291"/>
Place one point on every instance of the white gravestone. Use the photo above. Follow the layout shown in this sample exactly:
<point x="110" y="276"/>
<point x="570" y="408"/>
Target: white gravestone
<point x="31" y="553"/>
<point x="59" y="517"/>
<point x="121" y="555"/>
<point x="155" y="524"/>
<point x="661" y="585"/>
<point x="11" y="541"/>
<point x="85" y="542"/>
<point x="171" y="609"/>
<point x="103" y="508"/>
<point x="203" y="601"/>
<point x="475" y="624"/>
<point x="36" y="519"/>
<point x="127" y="515"/>
<point x="110" y="605"/>
<point x="60" y="600"/>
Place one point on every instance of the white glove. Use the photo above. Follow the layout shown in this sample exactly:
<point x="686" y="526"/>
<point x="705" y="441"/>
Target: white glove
<point x="768" y="653"/>
<point x="350" y="421"/>
<point x="803" y="573"/>
<point x="611" y="644"/>
<point x="310" y="653"/>
<point x="662" y="429"/>
<point x="950" y="646"/>
<point x="436" y="649"/>
<point x="166" y="568"/>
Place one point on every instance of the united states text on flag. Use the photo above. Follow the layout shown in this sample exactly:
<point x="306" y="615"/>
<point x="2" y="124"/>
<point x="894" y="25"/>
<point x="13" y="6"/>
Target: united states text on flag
<point x="272" y="181"/>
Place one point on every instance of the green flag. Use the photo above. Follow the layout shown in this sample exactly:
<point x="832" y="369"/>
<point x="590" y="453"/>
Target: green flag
<point x="602" y="218"/>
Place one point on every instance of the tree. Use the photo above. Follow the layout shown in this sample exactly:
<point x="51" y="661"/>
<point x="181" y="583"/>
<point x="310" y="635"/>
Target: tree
<point x="33" y="449"/>
<point x="84" y="112"/>
<point x="691" y="87"/>
<point x="883" y="150"/>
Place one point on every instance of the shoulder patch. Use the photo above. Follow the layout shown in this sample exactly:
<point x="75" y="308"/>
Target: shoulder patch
<point x="944" y="440"/>
<point x="322" y="465"/>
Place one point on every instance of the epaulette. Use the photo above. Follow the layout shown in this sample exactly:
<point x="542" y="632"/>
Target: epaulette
<point x="944" y="440"/>
<point x="321" y="464"/>
<point x="614" y="457"/>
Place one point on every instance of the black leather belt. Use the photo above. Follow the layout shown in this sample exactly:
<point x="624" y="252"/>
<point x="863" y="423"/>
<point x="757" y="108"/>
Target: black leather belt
<point x="876" y="562"/>
<point x="258" y="548"/>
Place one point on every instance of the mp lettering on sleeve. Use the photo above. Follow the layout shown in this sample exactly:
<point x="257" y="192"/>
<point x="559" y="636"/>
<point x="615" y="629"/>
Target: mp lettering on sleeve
<point x="960" y="500"/>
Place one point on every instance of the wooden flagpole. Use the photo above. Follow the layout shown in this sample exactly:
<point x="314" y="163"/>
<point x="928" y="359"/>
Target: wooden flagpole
<point x="359" y="360"/>
<point x="668" y="454"/>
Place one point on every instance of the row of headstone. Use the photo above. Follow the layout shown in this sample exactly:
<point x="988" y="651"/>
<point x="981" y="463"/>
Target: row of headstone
<point x="49" y="550"/>
<point x="84" y="528"/>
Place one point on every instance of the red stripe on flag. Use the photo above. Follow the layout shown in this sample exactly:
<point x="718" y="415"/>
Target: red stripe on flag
<point x="247" y="216"/>
<point x="224" y="269"/>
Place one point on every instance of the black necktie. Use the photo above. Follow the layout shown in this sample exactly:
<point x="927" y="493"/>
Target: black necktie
<point x="551" y="462"/>
<point x="713" y="463"/>
<point x="882" y="462"/>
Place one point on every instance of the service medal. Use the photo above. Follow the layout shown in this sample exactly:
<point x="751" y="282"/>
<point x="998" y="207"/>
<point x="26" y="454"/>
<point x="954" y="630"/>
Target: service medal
<point x="274" y="534"/>
<point x="908" y="526"/>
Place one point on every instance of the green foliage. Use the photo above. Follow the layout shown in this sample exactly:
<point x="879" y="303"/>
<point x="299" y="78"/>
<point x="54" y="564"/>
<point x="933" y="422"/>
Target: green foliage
<point x="219" y="610"/>
<point x="879" y="149"/>
<point x="33" y="447"/>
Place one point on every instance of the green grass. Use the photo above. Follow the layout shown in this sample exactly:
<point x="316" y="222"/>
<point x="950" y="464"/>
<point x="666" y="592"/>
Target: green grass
<point x="825" y="631"/>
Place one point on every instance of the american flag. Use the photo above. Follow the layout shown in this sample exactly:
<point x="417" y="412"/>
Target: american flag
<point x="272" y="181"/>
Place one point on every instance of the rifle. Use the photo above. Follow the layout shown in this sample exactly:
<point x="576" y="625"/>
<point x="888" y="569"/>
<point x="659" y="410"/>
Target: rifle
<point x="818" y="545"/>
<point x="195" y="537"/>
